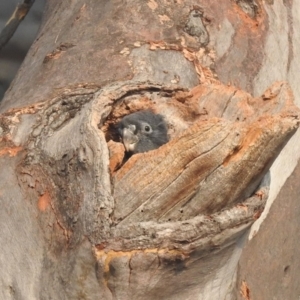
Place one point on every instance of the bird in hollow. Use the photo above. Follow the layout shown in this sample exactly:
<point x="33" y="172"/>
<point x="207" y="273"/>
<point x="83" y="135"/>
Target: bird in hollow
<point x="143" y="131"/>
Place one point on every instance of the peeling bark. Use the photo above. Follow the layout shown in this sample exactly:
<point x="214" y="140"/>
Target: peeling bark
<point x="166" y="224"/>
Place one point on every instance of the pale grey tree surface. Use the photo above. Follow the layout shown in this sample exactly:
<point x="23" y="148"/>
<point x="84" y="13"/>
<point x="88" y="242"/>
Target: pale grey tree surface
<point x="171" y="223"/>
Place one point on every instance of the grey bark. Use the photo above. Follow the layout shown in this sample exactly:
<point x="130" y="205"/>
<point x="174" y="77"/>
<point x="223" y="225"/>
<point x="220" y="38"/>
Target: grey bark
<point x="167" y="224"/>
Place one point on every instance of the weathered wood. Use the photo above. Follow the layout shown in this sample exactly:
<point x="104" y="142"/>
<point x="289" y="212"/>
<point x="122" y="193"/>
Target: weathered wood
<point x="208" y="157"/>
<point x="149" y="208"/>
<point x="70" y="201"/>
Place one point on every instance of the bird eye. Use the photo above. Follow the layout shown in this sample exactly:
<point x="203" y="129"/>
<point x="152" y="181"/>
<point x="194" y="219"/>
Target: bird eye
<point x="147" y="128"/>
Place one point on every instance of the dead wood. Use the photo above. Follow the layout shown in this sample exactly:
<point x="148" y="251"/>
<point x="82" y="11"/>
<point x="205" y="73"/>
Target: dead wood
<point x="168" y="224"/>
<point x="191" y="198"/>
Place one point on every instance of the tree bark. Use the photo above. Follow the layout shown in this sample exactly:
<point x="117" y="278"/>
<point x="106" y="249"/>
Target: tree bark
<point x="171" y="223"/>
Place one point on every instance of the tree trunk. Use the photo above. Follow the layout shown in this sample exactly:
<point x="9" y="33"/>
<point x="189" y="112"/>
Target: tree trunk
<point x="81" y="220"/>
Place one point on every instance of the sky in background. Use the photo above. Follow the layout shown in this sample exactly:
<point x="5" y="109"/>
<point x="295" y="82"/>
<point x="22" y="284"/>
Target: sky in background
<point x="12" y="55"/>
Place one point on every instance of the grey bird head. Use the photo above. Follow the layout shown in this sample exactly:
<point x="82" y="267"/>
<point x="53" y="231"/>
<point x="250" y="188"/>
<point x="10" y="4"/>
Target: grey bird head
<point x="142" y="131"/>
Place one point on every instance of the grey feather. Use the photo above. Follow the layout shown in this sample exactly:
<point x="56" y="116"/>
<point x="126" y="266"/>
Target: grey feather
<point x="143" y="131"/>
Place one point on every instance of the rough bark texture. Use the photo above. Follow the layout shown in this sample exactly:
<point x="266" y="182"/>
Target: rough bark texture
<point x="275" y="258"/>
<point x="167" y="224"/>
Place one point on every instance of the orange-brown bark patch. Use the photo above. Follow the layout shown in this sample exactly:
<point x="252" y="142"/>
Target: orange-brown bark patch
<point x="251" y="138"/>
<point x="11" y="151"/>
<point x="245" y="292"/>
<point x="44" y="201"/>
<point x="116" y="153"/>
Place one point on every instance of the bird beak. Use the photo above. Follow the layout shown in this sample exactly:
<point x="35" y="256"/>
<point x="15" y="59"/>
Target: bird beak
<point x="129" y="139"/>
